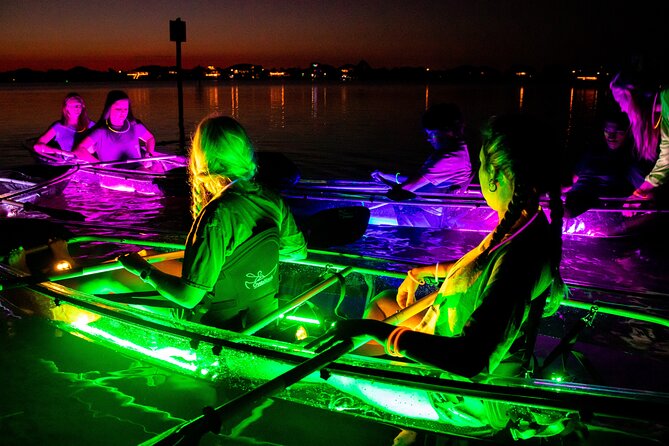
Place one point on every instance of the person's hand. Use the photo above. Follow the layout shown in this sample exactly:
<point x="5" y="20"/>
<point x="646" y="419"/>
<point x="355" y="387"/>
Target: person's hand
<point x="644" y="193"/>
<point x="346" y="330"/>
<point x="134" y="263"/>
<point x="406" y="292"/>
<point x="397" y="193"/>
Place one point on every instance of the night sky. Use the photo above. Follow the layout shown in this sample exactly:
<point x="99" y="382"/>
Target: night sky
<point x="438" y="34"/>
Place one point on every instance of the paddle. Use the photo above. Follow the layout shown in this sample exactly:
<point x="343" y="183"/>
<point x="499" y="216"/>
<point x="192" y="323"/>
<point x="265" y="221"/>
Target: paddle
<point x="60" y="214"/>
<point x="396" y="192"/>
<point x="276" y="170"/>
<point x="190" y="432"/>
<point x="335" y="226"/>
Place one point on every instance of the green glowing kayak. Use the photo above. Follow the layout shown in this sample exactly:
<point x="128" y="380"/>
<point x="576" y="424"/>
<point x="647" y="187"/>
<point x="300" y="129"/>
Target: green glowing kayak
<point x="604" y="384"/>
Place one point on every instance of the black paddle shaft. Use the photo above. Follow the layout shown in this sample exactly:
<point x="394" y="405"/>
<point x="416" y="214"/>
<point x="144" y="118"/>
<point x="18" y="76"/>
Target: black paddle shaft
<point x="60" y="214"/>
<point x="192" y="431"/>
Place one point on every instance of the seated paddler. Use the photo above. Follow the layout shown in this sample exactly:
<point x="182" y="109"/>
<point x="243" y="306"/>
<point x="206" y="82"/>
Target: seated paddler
<point x="118" y="136"/>
<point x="483" y="319"/>
<point x="240" y="231"/>
<point x="448" y="168"/>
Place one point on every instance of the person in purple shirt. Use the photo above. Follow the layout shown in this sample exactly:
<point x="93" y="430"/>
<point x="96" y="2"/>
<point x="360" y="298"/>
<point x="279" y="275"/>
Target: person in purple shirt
<point x="63" y="135"/>
<point x="117" y="136"/>
<point x="448" y="167"/>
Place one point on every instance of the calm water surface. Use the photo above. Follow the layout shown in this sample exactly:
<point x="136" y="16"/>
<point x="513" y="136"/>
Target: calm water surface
<point x="329" y="130"/>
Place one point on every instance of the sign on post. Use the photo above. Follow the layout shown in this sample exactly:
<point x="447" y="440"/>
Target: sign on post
<point x="177" y="30"/>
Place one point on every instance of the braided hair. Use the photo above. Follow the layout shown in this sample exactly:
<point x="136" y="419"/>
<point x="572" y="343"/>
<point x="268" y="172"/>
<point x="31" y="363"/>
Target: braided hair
<point x="510" y="145"/>
<point x="221" y="154"/>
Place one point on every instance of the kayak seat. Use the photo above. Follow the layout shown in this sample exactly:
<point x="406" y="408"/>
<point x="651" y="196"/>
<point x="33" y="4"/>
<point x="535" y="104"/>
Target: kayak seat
<point x="247" y="285"/>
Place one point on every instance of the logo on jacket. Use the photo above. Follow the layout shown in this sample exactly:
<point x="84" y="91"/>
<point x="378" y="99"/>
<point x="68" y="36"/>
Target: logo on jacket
<point x="259" y="279"/>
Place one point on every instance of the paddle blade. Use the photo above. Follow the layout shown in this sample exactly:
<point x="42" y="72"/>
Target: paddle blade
<point x="276" y="170"/>
<point x="60" y="214"/>
<point x="399" y="194"/>
<point x="336" y="226"/>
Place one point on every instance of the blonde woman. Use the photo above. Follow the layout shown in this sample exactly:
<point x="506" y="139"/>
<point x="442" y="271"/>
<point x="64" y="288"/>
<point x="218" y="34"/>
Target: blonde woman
<point x="232" y="217"/>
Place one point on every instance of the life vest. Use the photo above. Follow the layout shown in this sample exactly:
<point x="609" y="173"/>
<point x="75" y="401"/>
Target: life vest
<point x="247" y="284"/>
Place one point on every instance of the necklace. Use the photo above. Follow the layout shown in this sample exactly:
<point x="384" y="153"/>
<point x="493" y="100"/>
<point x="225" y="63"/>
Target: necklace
<point x="516" y="232"/>
<point x="126" y="124"/>
<point x="659" y="118"/>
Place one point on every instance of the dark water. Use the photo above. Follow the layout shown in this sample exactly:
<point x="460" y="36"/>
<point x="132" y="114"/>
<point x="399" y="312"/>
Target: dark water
<point x="62" y="390"/>
<point x="338" y="130"/>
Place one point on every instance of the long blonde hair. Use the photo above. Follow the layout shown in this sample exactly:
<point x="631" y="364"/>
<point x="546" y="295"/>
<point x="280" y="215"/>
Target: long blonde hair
<point x="221" y="154"/>
<point x="641" y="100"/>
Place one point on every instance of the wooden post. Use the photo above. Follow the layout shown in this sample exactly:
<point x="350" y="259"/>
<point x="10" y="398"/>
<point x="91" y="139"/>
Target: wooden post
<point x="178" y="35"/>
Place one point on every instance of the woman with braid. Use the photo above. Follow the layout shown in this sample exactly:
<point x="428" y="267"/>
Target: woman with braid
<point x="233" y="216"/>
<point x="484" y="316"/>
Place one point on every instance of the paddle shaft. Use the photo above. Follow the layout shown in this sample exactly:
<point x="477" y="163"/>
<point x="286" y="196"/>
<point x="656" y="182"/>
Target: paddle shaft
<point x="61" y="214"/>
<point x="191" y="431"/>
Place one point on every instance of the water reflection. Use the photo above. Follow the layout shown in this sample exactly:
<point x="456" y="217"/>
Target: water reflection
<point x="343" y="96"/>
<point x="140" y="98"/>
<point x="377" y="124"/>
<point x="314" y="101"/>
<point x="277" y="105"/>
<point x="234" y="101"/>
<point x="213" y="98"/>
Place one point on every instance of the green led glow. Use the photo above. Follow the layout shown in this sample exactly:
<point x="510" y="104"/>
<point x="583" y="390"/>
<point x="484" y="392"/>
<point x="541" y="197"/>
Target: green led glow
<point x="168" y="354"/>
<point x="304" y="320"/>
<point x="204" y="372"/>
<point x="412" y="403"/>
<point x="557" y="378"/>
<point x="103" y="286"/>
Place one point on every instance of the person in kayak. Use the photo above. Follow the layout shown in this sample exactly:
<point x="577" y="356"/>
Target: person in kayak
<point x="63" y="135"/>
<point x="240" y="230"/>
<point x="483" y="319"/>
<point x="647" y="106"/>
<point x="448" y="167"/>
<point x="611" y="168"/>
<point x="117" y="136"/>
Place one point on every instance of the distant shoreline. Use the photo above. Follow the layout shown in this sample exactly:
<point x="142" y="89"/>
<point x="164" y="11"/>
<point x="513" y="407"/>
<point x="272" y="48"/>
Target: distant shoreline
<point x="361" y="72"/>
